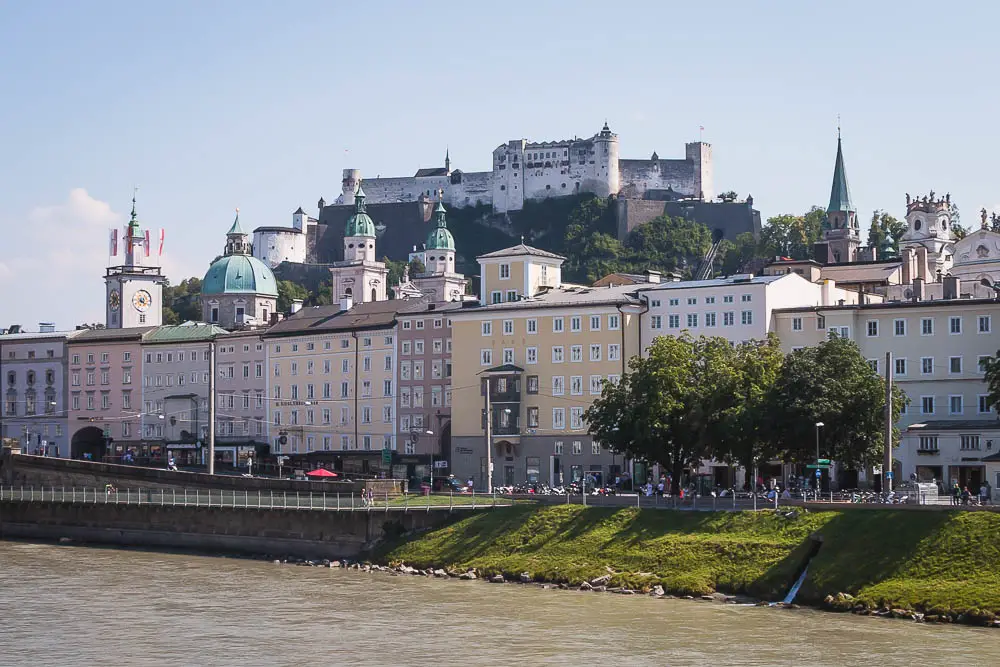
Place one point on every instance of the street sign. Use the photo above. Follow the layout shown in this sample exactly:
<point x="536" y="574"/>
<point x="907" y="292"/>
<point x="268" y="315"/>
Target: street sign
<point x="386" y="456"/>
<point x="440" y="463"/>
<point x="811" y="466"/>
<point x="888" y="475"/>
<point x="107" y="433"/>
<point x="819" y="473"/>
<point x="824" y="462"/>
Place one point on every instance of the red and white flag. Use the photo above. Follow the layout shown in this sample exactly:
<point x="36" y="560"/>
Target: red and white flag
<point x="114" y="243"/>
<point x="146" y="243"/>
<point x="162" y="234"/>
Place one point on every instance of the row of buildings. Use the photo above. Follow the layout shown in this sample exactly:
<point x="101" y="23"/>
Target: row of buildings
<point x="434" y="379"/>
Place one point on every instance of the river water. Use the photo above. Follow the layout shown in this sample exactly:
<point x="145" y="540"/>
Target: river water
<point x="73" y="605"/>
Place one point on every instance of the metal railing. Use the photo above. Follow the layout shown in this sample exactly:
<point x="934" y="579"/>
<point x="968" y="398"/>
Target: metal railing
<point x="258" y="500"/>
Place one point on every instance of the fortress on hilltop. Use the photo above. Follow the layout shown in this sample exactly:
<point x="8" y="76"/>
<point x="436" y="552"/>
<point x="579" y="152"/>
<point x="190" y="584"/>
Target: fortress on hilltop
<point x="524" y="170"/>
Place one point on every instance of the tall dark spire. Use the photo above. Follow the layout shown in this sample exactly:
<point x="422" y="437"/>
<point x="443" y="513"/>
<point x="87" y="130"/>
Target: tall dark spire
<point x="840" y="194"/>
<point x="447" y="160"/>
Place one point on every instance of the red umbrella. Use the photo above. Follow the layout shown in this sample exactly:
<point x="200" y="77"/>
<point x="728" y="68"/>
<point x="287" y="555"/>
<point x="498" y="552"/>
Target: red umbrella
<point x="321" y="472"/>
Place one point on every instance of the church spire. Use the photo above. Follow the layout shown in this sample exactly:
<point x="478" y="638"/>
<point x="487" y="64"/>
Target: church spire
<point x="447" y="160"/>
<point x="840" y="194"/>
<point x="236" y="239"/>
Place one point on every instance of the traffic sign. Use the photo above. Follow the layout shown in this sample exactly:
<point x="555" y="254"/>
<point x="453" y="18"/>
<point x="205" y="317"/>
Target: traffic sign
<point x="386" y="456"/>
<point x="825" y="462"/>
<point x="888" y="475"/>
<point x="820" y="467"/>
<point x="819" y="473"/>
<point x="107" y="433"/>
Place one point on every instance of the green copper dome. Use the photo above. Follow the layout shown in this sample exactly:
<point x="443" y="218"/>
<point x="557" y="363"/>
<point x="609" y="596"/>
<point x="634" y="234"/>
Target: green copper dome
<point x="239" y="274"/>
<point x="360" y="223"/>
<point x="440" y="238"/>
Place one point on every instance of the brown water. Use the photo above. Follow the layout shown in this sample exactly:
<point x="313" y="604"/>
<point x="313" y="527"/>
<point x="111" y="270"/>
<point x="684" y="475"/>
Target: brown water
<point x="68" y="605"/>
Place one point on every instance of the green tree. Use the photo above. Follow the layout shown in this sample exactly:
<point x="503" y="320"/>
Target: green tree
<point x="672" y="244"/>
<point x="992" y="379"/>
<point x="735" y="257"/>
<point x="792" y="236"/>
<point x="669" y="406"/>
<point x="288" y="292"/>
<point x="182" y="302"/>
<point x="830" y="383"/>
<point x="882" y="226"/>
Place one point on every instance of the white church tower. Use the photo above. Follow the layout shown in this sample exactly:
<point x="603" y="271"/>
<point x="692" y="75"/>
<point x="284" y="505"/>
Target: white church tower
<point x="359" y="277"/>
<point x="134" y="288"/>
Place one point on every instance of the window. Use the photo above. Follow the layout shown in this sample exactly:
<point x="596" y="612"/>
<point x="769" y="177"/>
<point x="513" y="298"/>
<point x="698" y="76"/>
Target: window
<point x="873" y="364"/>
<point x="418" y="346"/>
<point x="955" y="364"/>
<point x="531" y="355"/>
<point x="900" y="366"/>
<point x="745" y="298"/>
<point x="614" y="352"/>
<point x="899" y="327"/>
<point x="595" y="448"/>
<point x="558" y="448"/>
<point x="557" y="354"/>
<point x="407" y="346"/>
<point x="709" y="300"/>
<point x="595" y="352"/>
<point x="557" y="325"/>
<point x="532" y="384"/>
<point x="407" y="325"/>
<point x="487" y="328"/>
<point x="927" y="405"/>
<point x="344" y="389"/>
<point x="486" y="357"/>
<point x="692" y="320"/>
<point x="926" y="326"/>
<point x="511" y="295"/>
<point x="674" y="321"/>
<point x="872" y="328"/>
<point x="820" y="321"/>
<point x="420" y="324"/>
<point x="575" y="323"/>
<point x="345" y="343"/>
<point x="366" y="415"/>
<point x="970" y="442"/>
<point x="595" y="385"/>
<point x="614" y="323"/>
<point x="496" y="296"/>
<point x="508" y="327"/>
<point x="533" y="417"/>
<point x="984" y="404"/>
<point x="674" y="302"/>
<point x="505" y="272"/>
<point x="576" y="385"/>
<point x="577" y="448"/>
<point x="558" y="385"/>
<point x="728" y="318"/>
<point x="746" y="317"/>
<point x="955" y="405"/>
<point x="984" y="324"/>
<point x="559" y="418"/>
<point x="692" y="301"/>
<point x="955" y="325"/>
<point x="576" y="418"/>
<point x="982" y="361"/>
<point x="656" y="322"/>
<point x="576" y="353"/>
<point x="508" y="355"/>
<point x="928" y="443"/>
<point x="387" y="387"/>
<point x="926" y="365"/>
<point x="709" y="319"/>
<point x="595" y="322"/>
<point x="532" y="325"/>
<point x="727" y="298"/>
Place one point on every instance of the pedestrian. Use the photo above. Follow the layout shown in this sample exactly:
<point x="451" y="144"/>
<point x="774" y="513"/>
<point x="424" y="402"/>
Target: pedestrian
<point x="956" y="494"/>
<point x="965" y="495"/>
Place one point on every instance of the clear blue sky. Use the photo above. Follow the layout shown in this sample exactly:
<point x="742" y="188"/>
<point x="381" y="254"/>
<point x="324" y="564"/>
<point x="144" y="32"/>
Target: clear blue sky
<point x="212" y="105"/>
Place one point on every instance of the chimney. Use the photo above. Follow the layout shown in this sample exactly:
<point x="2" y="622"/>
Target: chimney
<point x="346" y="303"/>
<point x="826" y="293"/>
<point x="907" y="266"/>
<point x="918" y="289"/>
<point x="46" y="327"/>
<point x="652" y="276"/>
<point x="922" y="263"/>
<point x="296" y="305"/>
<point x="952" y="287"/>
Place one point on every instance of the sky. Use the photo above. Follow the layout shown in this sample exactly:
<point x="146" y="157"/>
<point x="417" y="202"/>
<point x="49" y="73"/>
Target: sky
<point x="211" y="105"/>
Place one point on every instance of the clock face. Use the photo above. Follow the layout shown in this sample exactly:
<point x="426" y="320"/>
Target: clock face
<point x="114" y="299"/>
<point x="142" y="300"/>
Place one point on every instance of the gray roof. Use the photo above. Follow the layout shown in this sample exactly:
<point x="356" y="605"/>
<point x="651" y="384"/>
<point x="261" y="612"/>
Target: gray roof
<point x="95" y="335"/>
<point x="743" y="279"/>
<point x="932" y="303"/>
<point x="956" y="425"/>
<point x="420" y="307"/>
<point x="29" y="335"/>
<point x="566" y="295"/>
<point x="327" y="319"/>
<point x="520" y="250"/>
<point x="431" y="171"/>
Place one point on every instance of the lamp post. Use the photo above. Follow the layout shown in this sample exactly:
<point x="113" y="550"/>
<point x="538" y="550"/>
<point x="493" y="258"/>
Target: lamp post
<point x="819" y="473"/>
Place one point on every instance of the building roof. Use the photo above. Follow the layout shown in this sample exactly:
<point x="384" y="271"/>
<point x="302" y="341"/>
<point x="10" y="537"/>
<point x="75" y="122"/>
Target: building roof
<point x="422" y="307"/>
<point x="932" y="303"/>
<point x="236" y="227"/>
<point x="857" y="272"/>
<point x="299" y="211"/>
<point x="431" y="171"/>
<point x="563" y="296"/>
<point x="98" y="335"/>
<point x="740" y="279"/>
<point x="956" y="425"/>
<point x="328" y="319"/>
<point x="291" y="230"/>
<point x="520" y="250"/>
<point x="840" y="194"/>
<point x="239" y="274"/>
<point x="188" y="332"/>
<point x="440" y="238"/>
<point x="25" y="336"/>
<point x="505" y="368"/>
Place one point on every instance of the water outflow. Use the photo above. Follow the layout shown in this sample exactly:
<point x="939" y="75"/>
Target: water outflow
<point x="794" y="590"/>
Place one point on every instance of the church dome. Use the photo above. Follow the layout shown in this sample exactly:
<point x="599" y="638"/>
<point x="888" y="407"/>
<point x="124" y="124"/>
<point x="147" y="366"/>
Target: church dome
<point x="440" y="238"/>
<point x="360" y="223"/>
<point x="239" y="274"/>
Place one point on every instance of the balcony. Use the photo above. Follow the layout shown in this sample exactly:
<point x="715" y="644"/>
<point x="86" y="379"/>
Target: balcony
<point x="506" y="419"/>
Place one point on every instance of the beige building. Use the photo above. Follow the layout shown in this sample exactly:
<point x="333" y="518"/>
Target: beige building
<point x="938" y="349"/>
<point x="331" y="379"/>
<point x="540" y="354"/>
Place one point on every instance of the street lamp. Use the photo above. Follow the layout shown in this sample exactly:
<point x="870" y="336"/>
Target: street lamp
<point x="819" y="473"/>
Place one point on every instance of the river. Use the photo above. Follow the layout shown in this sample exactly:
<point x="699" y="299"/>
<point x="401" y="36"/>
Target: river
<point x="74" y="605"/>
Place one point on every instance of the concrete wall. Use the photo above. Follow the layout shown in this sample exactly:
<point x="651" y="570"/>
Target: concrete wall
<point x="304" y="533"/>
<point x="38" y="471"/>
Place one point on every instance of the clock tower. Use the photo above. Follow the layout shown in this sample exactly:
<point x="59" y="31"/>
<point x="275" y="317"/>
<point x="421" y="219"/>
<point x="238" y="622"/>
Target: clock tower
<point x="134" y="289"/>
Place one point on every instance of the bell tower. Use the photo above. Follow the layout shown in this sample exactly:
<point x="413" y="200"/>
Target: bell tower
<point x="134" y="289"/>
<point x="842" y="231"/>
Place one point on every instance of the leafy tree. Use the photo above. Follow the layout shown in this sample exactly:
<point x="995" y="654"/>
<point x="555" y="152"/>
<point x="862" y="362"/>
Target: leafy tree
<point x="288" y="292"/>
<point x="882" y="226"/>
<point x="992" y="379"/>
<point x="729" y="196"/>
<point x="673" y="244"/>
<point x="396" y="268"/>
<point x="182" y="302"/>
<point x="669" y="406"/>
<point x="792" y="235"/>
<point x="736" y="256"/>
<point x="416" y="266"/>
<point x="831" y="383"/>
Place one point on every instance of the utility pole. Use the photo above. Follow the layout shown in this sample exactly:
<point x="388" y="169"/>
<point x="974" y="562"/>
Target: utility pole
<point x="887" y="459"/>
<point x="489" y="440"/>
<point x="211" y="407"/>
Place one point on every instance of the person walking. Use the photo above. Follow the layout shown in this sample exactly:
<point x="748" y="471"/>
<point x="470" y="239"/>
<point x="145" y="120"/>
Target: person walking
<point x="956" y="494"/>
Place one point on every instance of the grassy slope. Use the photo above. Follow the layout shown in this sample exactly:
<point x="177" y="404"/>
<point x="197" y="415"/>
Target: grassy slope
<point x="917" y="560"/>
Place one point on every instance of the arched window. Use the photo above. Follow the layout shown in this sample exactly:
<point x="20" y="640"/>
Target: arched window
<point x="374" y="295"/>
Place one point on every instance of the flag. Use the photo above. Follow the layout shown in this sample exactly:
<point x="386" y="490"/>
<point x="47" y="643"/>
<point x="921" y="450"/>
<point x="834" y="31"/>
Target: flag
<point x="162" y="234"/>
<point x="114" y="243"/>
<point x="146" y="243"/>
<point x="701" y="127"/>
